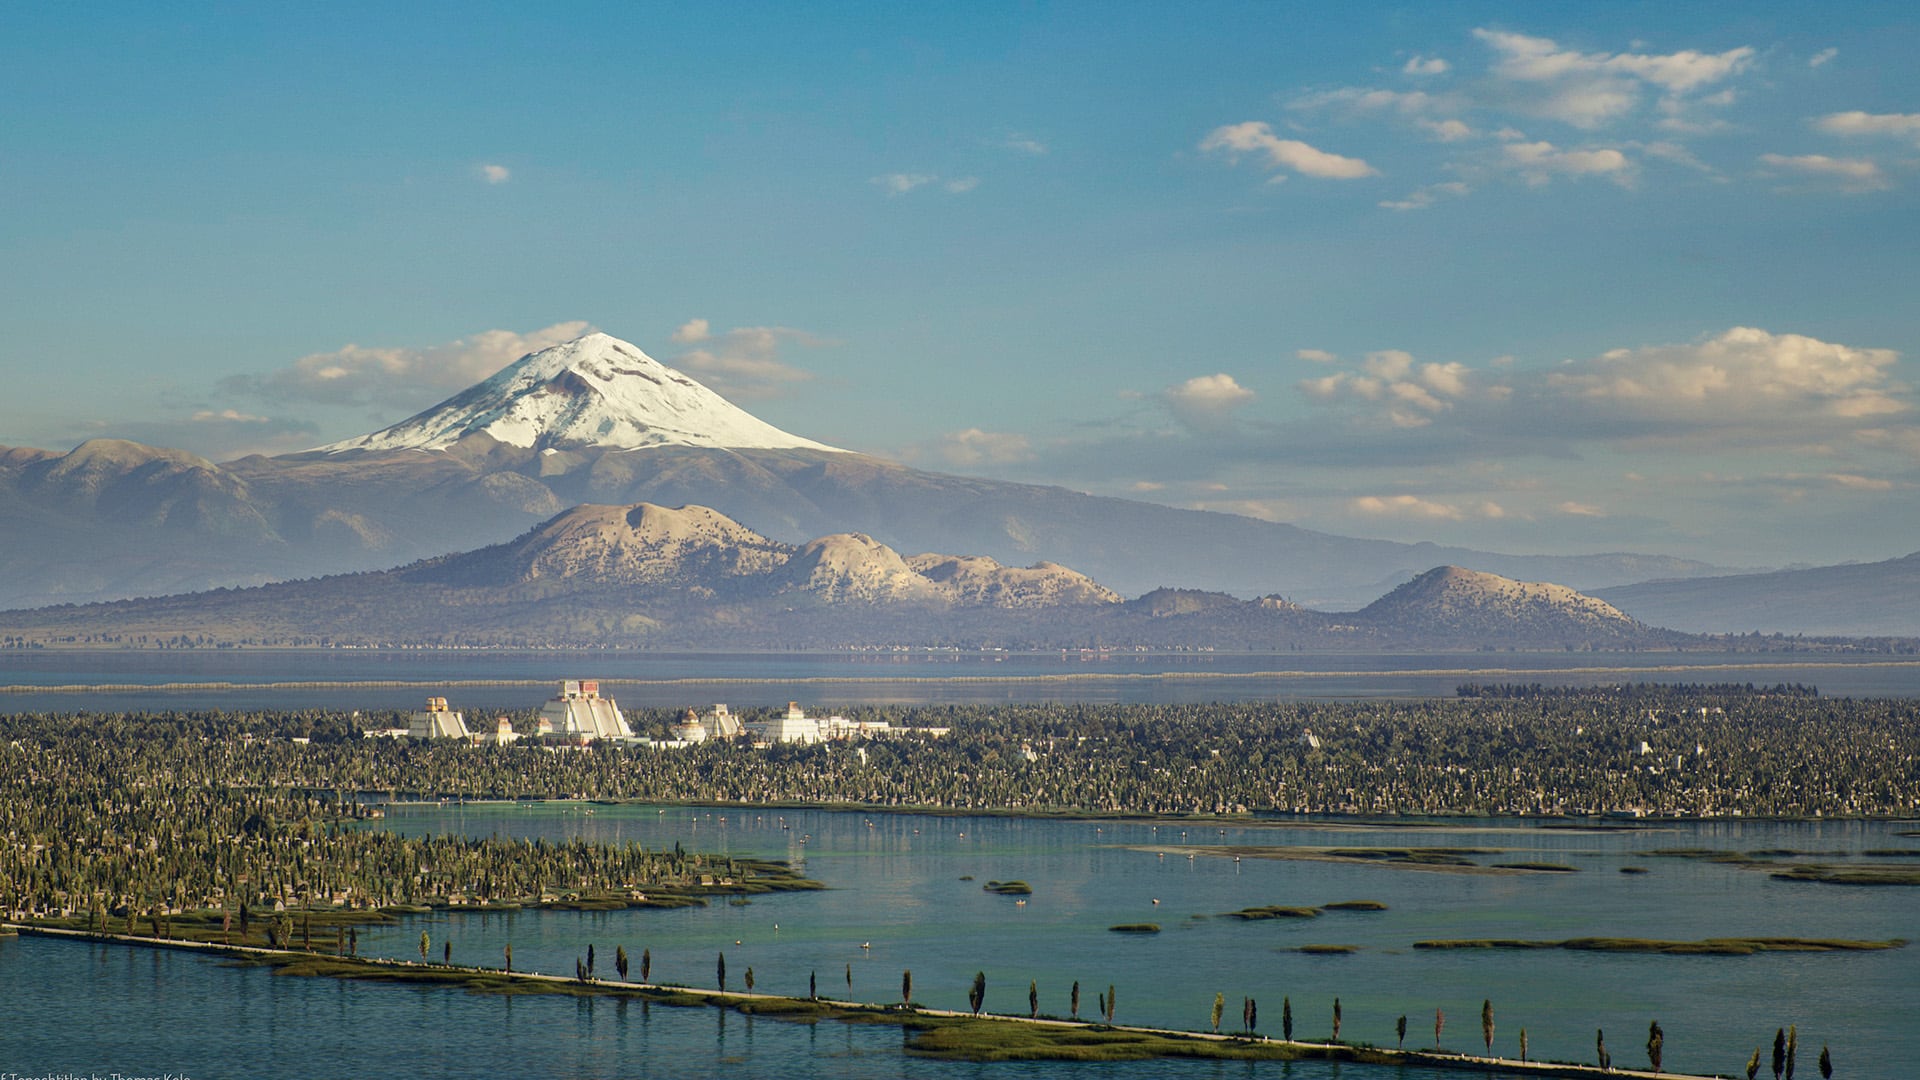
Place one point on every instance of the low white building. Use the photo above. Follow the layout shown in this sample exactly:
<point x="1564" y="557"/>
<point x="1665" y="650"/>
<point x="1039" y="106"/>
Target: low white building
<point x="436" y="721"/>
<point x="794" y="727"/>
<point x="841" y="729"/>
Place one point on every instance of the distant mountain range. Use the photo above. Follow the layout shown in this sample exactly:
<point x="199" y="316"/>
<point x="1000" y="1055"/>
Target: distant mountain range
<point x="649" y="576"/>
<point x="595" y="420"/>
<point x="1857" y="599"/>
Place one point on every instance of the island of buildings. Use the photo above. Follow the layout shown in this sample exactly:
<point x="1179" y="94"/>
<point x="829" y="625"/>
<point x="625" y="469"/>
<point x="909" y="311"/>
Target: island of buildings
<point x="579" y="716"/>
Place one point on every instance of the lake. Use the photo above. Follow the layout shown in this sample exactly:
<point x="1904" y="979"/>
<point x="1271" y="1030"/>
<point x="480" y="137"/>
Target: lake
<point x="900" y="899"/>
<point x="110" y="680"/>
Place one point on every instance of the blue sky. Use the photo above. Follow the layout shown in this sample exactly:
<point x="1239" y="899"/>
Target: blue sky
<point x="1531" y="277"/>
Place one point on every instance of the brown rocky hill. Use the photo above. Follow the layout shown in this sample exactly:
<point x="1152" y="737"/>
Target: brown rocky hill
<point x="1448" y="600"/>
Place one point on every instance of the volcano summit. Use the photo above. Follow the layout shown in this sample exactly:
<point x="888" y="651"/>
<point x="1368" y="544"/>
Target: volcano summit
<point x="592" y="392"/>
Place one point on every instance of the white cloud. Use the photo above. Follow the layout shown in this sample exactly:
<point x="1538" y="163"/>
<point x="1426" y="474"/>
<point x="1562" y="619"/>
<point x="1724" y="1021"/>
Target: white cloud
<point x="1447" y="130"/>
<point x="401" y="376"/>
<point x="1591" y="89"/>
<point x="1387" y="363"/>
<point x="1856" y="482"/>
<point x="692" y="332"/>
<point x="974" y="447"/>
<point x="228" y="416"/>
<point x="1897" y="125"/>
<point x="1539" y="162"/>
<point x="744" y="363"/>
<point x="1678" y="155"/>
<point x="1317" y="356"/>
<point x="1421" y="198"/>
<point x="1822" y="58"/>
<point x="1849" y="176"/>
<point x="1743" y="372"/>
<point x="1577" y="509"/>
<point x="1742" y="387"/>
<point x="1410" y="394"/>
<point x="1257" y="137"/>
<point x="1361" y="99"/>
<point x="901" y="183"/>
<point x="1026" y="144"/>
<point x="1425" y="65"/>
<point x="1404" y="506"/>
<point x="1206" y="401"/>
<point x="495" y="174"/>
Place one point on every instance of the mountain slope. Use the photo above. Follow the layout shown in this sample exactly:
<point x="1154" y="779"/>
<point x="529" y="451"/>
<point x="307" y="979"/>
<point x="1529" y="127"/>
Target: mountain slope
<point x="1881" y="598"/>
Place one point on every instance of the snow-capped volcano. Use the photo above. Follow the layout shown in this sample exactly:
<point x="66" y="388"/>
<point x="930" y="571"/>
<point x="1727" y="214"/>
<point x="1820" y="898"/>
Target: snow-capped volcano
<point x="593" y="391"/>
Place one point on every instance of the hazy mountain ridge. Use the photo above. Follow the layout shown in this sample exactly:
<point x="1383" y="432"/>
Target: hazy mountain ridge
<point x="1878" y="598"/>
<point x="688" y="576"/>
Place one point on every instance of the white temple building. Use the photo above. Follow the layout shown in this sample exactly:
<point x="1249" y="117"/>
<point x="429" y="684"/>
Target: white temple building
<point x="436" y="721"/>
<point x="722" y="724"/>
<point x="579" y="714"/>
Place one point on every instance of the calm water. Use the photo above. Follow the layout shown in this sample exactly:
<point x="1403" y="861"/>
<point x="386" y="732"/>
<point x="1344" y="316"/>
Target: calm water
<point x="898" y="891"/>
<point x="259" y="679"/>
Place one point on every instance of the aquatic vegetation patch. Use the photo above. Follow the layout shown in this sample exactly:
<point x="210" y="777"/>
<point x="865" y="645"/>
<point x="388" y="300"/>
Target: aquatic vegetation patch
<point x="1437" y="856"/>
<point x="1538" y="867"/>
<point x="1136" y="928"/>
<point x="1851" y="875"/>
<point x="1706" y="947"/>
<point x="1008" y="888"/>
<point x="1354" y="905"/>
<point x="1327" y="950"/>
<point x="1451" y="860"/>
<point x="1274" y="911"/>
